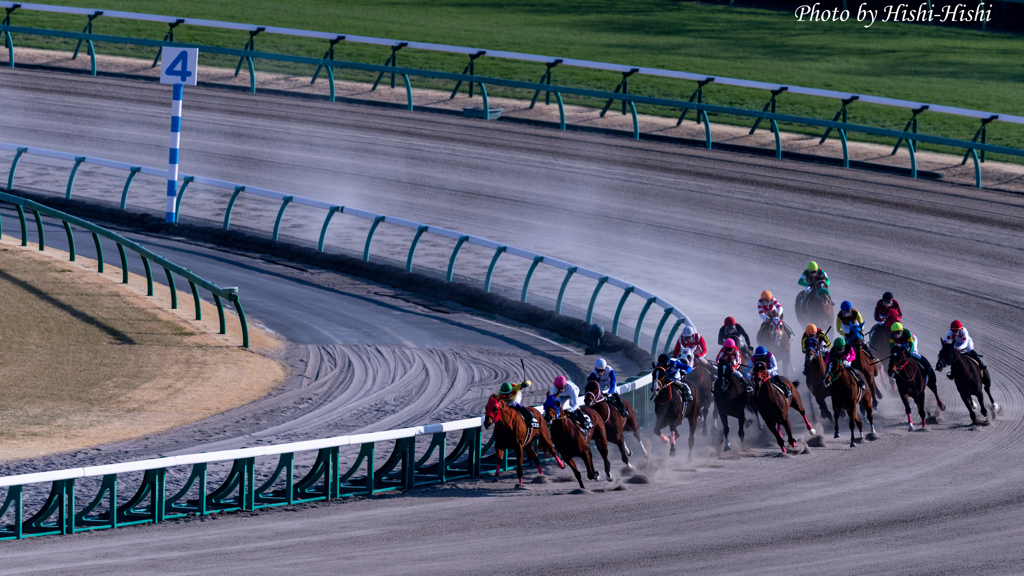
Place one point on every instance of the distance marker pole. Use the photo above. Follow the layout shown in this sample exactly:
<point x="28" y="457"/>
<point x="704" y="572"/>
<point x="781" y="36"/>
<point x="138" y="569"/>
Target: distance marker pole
<point x="172" y="163"/>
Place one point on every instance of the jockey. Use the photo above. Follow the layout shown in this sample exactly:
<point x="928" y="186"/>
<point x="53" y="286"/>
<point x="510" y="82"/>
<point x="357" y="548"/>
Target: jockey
<point x="564" y="389"/>
<point x="761" y="354"/>
<point x="846" y="355"/>
<point x="728" y="359"/>
<point x="604" y="375"/>
<point x="814" y="338"/>
<point x="733" y="330"/>
<point x="768" y="306"/>
<point x="692" y="340"/>
<point x="512" y="394"/>
<point x="811" y="276"/>
<point x="673" y="366"/>
<point x="958" y="337"/>
<point x="847" y="319"/>
<point x="887" y="310"/>
<point x="901" y="337"/>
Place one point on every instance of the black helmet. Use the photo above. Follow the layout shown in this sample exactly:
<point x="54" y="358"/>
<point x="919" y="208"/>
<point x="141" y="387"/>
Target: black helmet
<point x="887" y="296"/>
<point x="662" y="358"/>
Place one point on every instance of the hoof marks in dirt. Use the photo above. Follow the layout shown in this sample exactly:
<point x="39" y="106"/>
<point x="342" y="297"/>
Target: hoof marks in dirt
<point x="817" y="441"/>
<point x="540" y="480"/>
<point x="617" y="488"/>
<point x="780" y="455"/>
<point x="580" y="491"/>
<point x="931" y="419"/>
<point x="627" y="471"/>
<point x="871" y="436"/>
<point x="565" y="478"/>
<point x="639" y="479"/>
<point x="520" y="487"/>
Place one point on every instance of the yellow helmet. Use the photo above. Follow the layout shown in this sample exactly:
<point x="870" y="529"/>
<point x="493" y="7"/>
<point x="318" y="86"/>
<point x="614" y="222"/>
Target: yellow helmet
<point x="896" y="328"/>
<point x="811" y="329"/>
<point x="812" y="266"/>
<point x="766" y="295"/>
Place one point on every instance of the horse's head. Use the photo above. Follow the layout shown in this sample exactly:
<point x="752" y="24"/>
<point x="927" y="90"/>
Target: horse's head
<point x="492" y="413"/>
<point x="821" y="288"/>
<point x="593" y="389"/>
<point x="899" y="362"/>
<point x="833" y="370"/>
<point x="777" y="327"/>
<point x="947" y="354"/>
<point x="758" y="376"/>
<point x="552" y="409"/>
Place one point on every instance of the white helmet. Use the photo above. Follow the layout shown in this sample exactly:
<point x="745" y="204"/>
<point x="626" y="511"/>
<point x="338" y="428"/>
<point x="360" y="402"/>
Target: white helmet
<point x="689" y="331"/>
<point x="600" y="364"/>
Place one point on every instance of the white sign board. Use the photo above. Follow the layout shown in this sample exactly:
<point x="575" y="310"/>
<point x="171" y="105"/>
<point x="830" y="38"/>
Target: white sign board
<point x="179" y="65"/>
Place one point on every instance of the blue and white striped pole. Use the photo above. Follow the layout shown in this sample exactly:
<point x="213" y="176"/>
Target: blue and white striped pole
<point x="172" y="163"/>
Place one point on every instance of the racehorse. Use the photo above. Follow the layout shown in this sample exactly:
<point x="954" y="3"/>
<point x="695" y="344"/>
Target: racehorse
<point x="572" y="442"/>
<point x="670" y="409"/>
<point x="970" y="379"/>
<point x="863" y="362"/>
<point x="774" y="336"/>
<point x="773" y="405"/>
<point x="731" y="399"/>
<point x="814" y="369"/>
<point x="815" y="307"/>
<point x="615" y="424"/>
<point x="847" y="395"/>
<point x="512" y="432"/>
<point x="911" y="382"/>
<point x="702" y="381"/>
<point x="878" y="340"/>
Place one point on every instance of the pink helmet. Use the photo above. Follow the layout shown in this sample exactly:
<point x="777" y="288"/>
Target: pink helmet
<point x="729" y="343"/>
<point x="559" y="382"/>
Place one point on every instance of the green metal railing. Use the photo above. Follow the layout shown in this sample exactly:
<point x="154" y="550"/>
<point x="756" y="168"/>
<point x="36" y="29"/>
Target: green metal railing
<point x="194" y="281"/>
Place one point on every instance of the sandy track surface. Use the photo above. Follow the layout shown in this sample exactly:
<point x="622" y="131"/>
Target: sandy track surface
<point x="709" y="230"/>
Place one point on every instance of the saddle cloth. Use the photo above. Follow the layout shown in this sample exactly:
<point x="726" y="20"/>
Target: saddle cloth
<point x="528" y="417"/>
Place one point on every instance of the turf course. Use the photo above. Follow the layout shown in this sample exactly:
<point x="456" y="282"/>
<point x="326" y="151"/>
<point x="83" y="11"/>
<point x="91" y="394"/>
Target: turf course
<point x="938" y="65"/>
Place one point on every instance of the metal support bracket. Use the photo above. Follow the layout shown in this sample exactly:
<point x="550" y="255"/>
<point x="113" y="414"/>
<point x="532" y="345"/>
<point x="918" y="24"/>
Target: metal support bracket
<point x="14" y="166"/>
<point x="840" y="114"/>
<point x="455" y="254"/>
<point x="327" y="222"/>
<point x="391" y="61"/>
<point x="618" y="310"/>
<point x="593" y="299"/>
<point x="7" y="35"/>
<point x="181" y="194"/>
<point x="640" y="320"/>
<point x="490" y="269"/>
<point x="280" y="214"/>
<point x="526" y="285"/>
<point x="561" y="291"/>
<point x="697" y="95"/>
<point x="250" y="46"/>
<point x="328" y="55"/>
<point x="369" y="237"/>
<point x="470" y="69"/>
<point x="622" y="87"/>
<point x="657" y="333"/>
<point x="169" y="37"/>
<point x="911" y="126"/>
<point x="231" y="205"/>
<point x="87" y="30"/>
<point x="128" y="184"/>
<point x="71" y="180"/>
<point x="982" y="132"/>
<point x="769" y="105"/>
<point x="412" y="247"/>
<point x="545" y="78"/>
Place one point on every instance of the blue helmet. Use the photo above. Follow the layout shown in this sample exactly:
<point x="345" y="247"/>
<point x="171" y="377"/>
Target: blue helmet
<point x="760" y="351"/>
<point x="845" y="305"/>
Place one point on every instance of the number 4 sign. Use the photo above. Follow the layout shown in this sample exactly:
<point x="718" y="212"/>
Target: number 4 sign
<point x="179" y="65"/>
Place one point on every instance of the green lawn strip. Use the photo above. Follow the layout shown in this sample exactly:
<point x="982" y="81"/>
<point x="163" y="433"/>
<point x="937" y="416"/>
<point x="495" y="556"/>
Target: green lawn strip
<point x="947" y="66"/>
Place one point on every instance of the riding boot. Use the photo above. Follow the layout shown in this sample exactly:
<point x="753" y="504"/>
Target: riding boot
<point x="620" y="405"/>
<point x="782" y="386"/>
<point x="860" y="381"/>
<point x="928" y="367"/>
<point x="977" y="357"/>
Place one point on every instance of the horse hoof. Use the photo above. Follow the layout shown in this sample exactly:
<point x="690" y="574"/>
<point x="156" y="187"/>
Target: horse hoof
<point x="837" y="435"/>
<point x="727" y="448"/>
<point x="995" y="408"/>
<point x="811" y="431"/>
<point x="910" y="428"/>
<point x="853" y="444"/>
<point x="942" y="407"/>
<point x="672" y="452"/>
<point x="792" y="444"/>
<point x="628" y="452"/>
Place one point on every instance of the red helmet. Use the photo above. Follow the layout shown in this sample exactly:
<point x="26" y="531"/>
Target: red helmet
<point x="730" y="321"/>
<point x="956" y="325"/>
<point x="559" y="382"/>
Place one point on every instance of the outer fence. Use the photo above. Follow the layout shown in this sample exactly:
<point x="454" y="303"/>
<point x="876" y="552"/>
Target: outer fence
<point x="243" y="489"/>
<point x="285" y="200"/>
<point x="170" y="268"/>
<point x="973" y="149"/>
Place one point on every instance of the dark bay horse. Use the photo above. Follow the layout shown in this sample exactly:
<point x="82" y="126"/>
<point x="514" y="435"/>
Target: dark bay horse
<point x="847" y="395"/>
<point x="615" y="424"/>
<point x="911" y="382"/>
<point x="702" y="381"/>
<point x="731" y="399"/>
<point x="970" y="379"/>
<point x="867" y="366"/>
<point x="572" y="442"/>
<point x="670" y="409"/>
<point x="878" y="340"/>
<point x="815" y="307"/>
<point x="773" y="405"/>
<point x="774" y="336"/>
<point x="814" y="370"/>
<point x="511" y="432"/>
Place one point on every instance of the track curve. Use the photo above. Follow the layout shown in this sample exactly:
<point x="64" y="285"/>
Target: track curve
<point x="709" y="230"/>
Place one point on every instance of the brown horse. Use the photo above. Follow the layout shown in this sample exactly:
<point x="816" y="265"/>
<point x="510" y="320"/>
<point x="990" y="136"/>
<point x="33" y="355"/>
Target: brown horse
<point x="847" y="395"/>
<point x="670" y="409"/>
<point x="878" y="340"/>
<point x="511" y="432"/>
<point x="815" y="307"/>
<point x="911" y="382"/>
<point x="572" y="442"/>
<point x="970" y="379"/>
<point x="774" y="336"/>
<point x="702" y="381"/>
<point x="773" y="405"/>
<point x="814" y="369"/>
<point x="867" y="366"/>
<point x="615" y="424"/>
<point x="731" y="399"/>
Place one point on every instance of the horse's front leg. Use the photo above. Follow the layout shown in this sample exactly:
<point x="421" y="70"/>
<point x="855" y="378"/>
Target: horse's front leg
<point x="789" y="432"/>
<point x="725" y="429"/>
<point x="693" y="430"/>
<point x="920" y="411"/>
<point x="673" y="433"/>
<point x="910" y="419"/>
<point x="501" y="459"/>
<point x="519" y="463"/>
<point x="532" y="452"/>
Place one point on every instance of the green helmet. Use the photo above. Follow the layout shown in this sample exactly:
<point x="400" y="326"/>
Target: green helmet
<point x="839" y="342"/>
<point x="506" y="388"/>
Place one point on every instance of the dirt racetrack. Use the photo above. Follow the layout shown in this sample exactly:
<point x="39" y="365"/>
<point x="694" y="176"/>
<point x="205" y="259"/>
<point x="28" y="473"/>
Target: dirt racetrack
<point x="709" y="230"/>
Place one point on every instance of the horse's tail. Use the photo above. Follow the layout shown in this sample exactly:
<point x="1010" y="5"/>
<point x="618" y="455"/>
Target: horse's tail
<point x="796" y="383"/>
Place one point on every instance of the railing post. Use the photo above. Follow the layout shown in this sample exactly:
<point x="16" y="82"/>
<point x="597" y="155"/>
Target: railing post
<point x="408" y="90"/>
<point x="71" y="180"/>
<point x="71" y="241"/>
<point x="174" y="291"/>
<point x="412" y="247"/>
<point x="99" y="256"/>
<point x="196" y="300"/>
<point x="181" y="194"/>
<point x="672" y="334"/>
<point x="561" y="111"/>
<point x="593" y="299"/>
<point x="455" y="254"/>
<point x="231" y="205"/>
<point x="913" y="159"/>
<point x="128" y="184"/>
<point x="241" y="319"/>
<point x="526" y="285"/>
<point x="778" y="140"/>
<point x="846" y="153"/>
<point x="636" y="122"/>
<point x="124" y="262"/>
<point x="149" y="275"/>
<point x="657" y="333"/>
<point x="280" y="213"/>
<point x="24" y="227"/>
<point x="977" y="168"/>
<point x="490" y="269"/>
<point x="707" y="128"/>
<point x="327" y="222"/>
<point x="487" y="104"/>
<point x="220" y="313"/>
<point x="369" y="237"/>
<point x="14" y="166"/>
<point x="39" y="227"/>
<point x="640" y="321"/>
<point x="618" y="311"/>
<point x="561" y="291"/>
